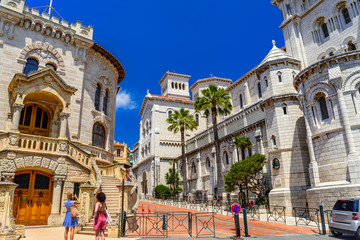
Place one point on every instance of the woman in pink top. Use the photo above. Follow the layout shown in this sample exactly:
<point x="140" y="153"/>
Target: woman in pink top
<point x="100" y="216"/>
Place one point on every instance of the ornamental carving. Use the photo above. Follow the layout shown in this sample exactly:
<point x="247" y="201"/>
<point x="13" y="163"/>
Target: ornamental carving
<point x="14" y="140"/>
<point x="2" y="200"/>
<point x="11" y="155"/>
<point x="63" y="146"/>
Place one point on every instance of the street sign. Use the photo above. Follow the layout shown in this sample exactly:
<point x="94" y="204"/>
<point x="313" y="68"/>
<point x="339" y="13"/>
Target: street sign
<point x="235" y="208"/>
<point x="252" y="203"/>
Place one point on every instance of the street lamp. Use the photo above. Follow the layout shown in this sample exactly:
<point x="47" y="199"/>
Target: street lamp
<point x="241" y="195"/>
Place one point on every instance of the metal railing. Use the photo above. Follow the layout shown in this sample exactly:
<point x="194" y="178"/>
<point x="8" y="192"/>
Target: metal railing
<point x="275" y="213"/>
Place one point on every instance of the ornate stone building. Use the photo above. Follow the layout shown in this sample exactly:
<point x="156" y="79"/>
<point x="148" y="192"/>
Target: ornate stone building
<point x="57" y="113"/>
<point x="299" y="107"/>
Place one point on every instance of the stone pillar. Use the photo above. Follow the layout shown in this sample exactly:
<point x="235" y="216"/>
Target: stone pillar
<point x="199" y="175"/>
<point x="87" y="199"/>
<point x="127" y="189"/>
<point x="353" y="158"/>
<point x="101" y="102"/>
<point x="55" y="218"/>
<point x="17" y="107"/>
<point x="63" y="124"/>
<point x="7" y="224"/>
<point x="313" y="168"/>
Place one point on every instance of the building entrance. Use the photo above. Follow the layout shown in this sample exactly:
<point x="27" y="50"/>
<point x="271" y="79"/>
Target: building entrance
<point x="32" y="198"/>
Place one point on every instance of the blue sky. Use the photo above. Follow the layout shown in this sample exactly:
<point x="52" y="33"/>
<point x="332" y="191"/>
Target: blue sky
<point x="226" y="38"/>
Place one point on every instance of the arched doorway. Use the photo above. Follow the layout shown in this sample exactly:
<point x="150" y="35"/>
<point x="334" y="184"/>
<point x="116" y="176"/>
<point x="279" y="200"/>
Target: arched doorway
<point x="32" y="198"/>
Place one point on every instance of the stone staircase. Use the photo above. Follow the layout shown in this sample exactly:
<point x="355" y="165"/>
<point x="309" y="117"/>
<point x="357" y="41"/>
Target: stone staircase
<point x="108" y="186"/>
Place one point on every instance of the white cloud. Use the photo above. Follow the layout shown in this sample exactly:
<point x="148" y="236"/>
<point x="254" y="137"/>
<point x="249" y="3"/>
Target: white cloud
<point x="124" y="101"/>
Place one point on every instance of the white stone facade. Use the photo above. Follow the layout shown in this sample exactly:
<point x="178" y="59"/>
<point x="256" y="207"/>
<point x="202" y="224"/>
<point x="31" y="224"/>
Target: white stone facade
<point x="73" y="73"/>
<point x="300" y="107"/>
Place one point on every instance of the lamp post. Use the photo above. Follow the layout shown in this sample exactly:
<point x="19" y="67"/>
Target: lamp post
<point x="240" y="193"/>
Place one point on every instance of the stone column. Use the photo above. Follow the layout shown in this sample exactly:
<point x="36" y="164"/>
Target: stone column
<point x="353" y="158"/>
<point x="199" y="175"/>
<point x="17" y="107"/>
<point x="87" y="199"/>
<point x="101" y="102"/>
<point x="313" y="168"/>
<point x="55" y="218"/>
<point x="7" y="224"/>
<point x="63" y="124"/>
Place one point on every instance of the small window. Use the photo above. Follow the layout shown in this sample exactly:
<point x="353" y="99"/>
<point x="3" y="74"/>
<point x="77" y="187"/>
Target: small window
<point x="241" y="101"/>
<point x="273" y="141"/>
<point x="118" y="152"/>
<point x="323" y="108"/>
<point x="346" y="15"/>
<point x="169" y="114"/>
<point x="325" y="30"/>
<point x="208" y="164"/>
<point x="249" y="152"/>
<point x="50" y="65"/>
<point x="284" y="109"/>
<point x="226" y="158"/>
<point x="266" y="82"/>
<point x="193" y="167"/>
<point x="280" y="78"/>
<point x="31" y="66"/>
<point x="288" y="9"/>
<point x="351" y="46"/>
<point x="105" y="103"/>
<point x="259" y="90"/>
<point x="172" y="85"/>
<point x="197" y="118"/>
<point x="176" y="85"/>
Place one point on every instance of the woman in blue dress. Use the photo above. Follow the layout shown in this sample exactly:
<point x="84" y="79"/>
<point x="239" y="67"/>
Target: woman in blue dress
<point x="70" y="222"/>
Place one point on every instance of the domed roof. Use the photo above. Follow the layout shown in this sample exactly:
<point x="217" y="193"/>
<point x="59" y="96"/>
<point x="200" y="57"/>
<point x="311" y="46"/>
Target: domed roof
<point x="275" y="54"/>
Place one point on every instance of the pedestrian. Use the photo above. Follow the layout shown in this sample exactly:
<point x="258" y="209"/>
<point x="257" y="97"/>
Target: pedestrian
<point x="100" y="216"/>
<point x="70" y="222"/>
<point x="128" y="175"/>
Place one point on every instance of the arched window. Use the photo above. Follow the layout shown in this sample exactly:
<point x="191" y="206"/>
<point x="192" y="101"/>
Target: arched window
<point x="325" y="30"/>
<point x="249" y="152"/>
<point x="193" y="167"/>
<point x="279" y="76"/>
<point x="226" y="158"/>
<point x="346" y="15"/>
<point x="331" y="54"/>
<point x="259" y="90"/>
<point x="175" y="85"/>
<point x="351" y="46"/>
<point x="51" y="65"/>
<point x="105" y="104"/>
<point x="184" y="86"/>
<point x="241" y="101"/>
<point x="266" y="82"/>
<point x="31" y="66"/>
<point x="208" y="164"/>
<point x="172" y="85"/>
<point x="323" y="108"/>
<point x="169" y="114"/>
<point x="97" y="97"/>
<point x="99" y="135"/>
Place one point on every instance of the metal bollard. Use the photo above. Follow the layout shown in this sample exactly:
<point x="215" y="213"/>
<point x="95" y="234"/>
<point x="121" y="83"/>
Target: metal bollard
<point x="123" y="225"/>
<point x="321" y="208"/>
<point x="164" y="223"/>
<point x="245" y="223"/>
<point x="237" y="225"/>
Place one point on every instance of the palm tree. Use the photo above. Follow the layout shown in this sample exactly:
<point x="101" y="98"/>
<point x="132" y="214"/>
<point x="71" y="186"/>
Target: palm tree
<point x="243" y="143"/>
<point x="215" y="101"/>
<point x="180" y="121"/>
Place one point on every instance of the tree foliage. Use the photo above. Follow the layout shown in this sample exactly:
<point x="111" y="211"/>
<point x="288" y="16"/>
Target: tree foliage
<point x="180" y="121"/>
<point x="215" y="101"/>
<point x="169" y="177"/>
<point x="162" y="191"/>
<point x="249" y="173"/>
<point x="243" y="143"/>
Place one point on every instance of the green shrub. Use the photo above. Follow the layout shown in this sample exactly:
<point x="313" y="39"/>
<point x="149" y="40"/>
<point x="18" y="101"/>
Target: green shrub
<point x="162" y="191"/>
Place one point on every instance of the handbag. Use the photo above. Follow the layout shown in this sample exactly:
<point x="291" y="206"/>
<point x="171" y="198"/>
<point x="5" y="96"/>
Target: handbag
<point x="74" y="211"/>
<point x="108" y="217"/>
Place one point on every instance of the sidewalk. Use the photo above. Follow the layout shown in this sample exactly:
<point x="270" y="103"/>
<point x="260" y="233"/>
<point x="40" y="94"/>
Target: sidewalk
<point x="56" y="233"/>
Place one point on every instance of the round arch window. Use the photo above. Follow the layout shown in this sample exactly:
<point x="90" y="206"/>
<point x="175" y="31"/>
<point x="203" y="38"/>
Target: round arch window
<point x="51" y="65"/>
<point x="31" y="66"/>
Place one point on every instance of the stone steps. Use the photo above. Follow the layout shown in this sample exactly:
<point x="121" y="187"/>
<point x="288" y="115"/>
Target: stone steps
<point x="108" y="187"/>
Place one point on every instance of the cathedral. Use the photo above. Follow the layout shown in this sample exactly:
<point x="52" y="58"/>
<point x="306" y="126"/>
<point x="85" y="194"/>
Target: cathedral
<point x="300" y="107"/>
<point x="57" y="115"/>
